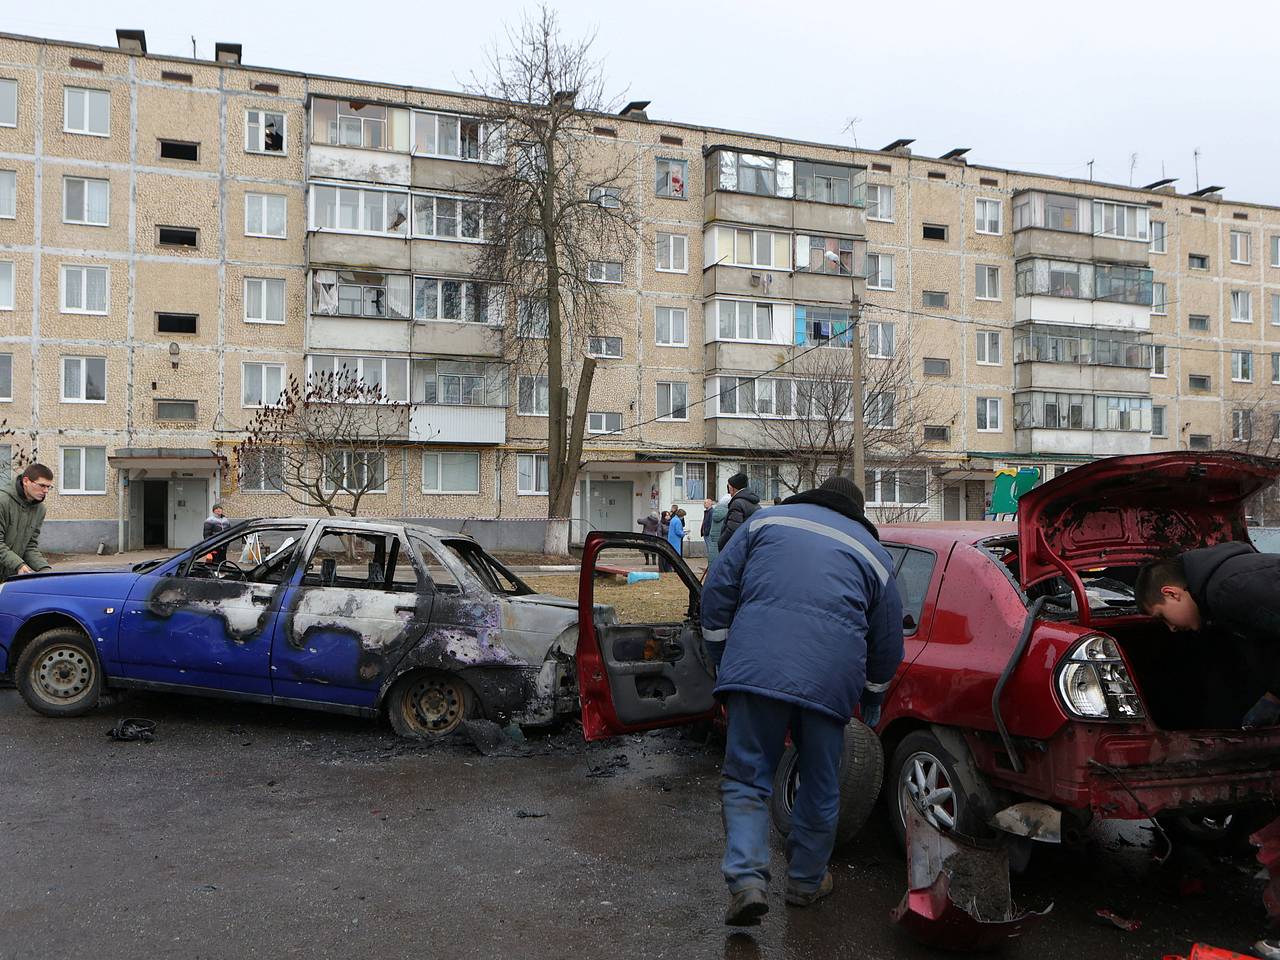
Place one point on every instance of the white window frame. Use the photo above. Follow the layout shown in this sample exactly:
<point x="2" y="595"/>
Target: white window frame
<point x="546" y="389"/>
<point x="262" y="389"/>
<point x="1275" y="368"/>
<point x="7" y="86"/>
<point x="350" y="461"/>
<point x="489" y="149"/>
<point x="985" y="340"/>
<point x="7" y="285"/>
<point x="881" y="339"/>
<point x="877" y="399"/>
<point x="284" y="309"/>
<point x="978" y="218"/>
<point x="84" y="220"/>
<point x="879" y="203"/>
<point x="261" y="453"/>
<point x="879" y="274"/>
<point x="671" y="392"/>
<point x="1275" y="309"/>
<point x="1245" y="297"/>
<point x="439" y="489"/>
<point x="260" y="146"/>
<point x="990" y="268"/>
<point x="404" y="230"/>
<point x="533" y="319"/>
<point x="9" y="211"/>
<point x="263" y="201"/>
<point x="1162" y="417"/>
<point x="1159" y="370"/>
<point x="992" y="403"/>
<point x="82" y="490"/>
<point x="85" y="131"/>
<point x="878" y="482"/>
<point x="682" y="473"/>
<point x="683" y="165"/>
<point x="1241" y="239"/>
<point x="494" y="301"/>
<point x="84" y="269"/>
<point x="1160" y="303"/>
<point x="1242" y="366"/>
<point x="1139" y="214"/>
<point x="1275" y="250"/>
<point x="1241" y="426"/>
<point x="598" y="271"/>
<point x="423" y="233"/>
<point x="684" y="326"/>
<point x="603" y="342"/>
<point x="602" y="421"/>
<point x="535" y="461"/>
<point x="1159" y="238"/>
<point x="755" y="306"/>
<point x="62" y="379"/>
<point x="356" y="365"/>
<point x="683" y="259"/>
<point x="610" y="198"/>
<point x="6" y="360"/>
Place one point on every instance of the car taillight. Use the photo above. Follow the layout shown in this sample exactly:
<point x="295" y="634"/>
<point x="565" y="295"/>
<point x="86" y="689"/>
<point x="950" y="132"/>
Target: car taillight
<point x="1094" y="682"/>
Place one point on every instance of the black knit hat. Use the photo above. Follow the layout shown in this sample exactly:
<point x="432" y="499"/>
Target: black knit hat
<point x="739" y="481"/>
<point x="845" y="488"/>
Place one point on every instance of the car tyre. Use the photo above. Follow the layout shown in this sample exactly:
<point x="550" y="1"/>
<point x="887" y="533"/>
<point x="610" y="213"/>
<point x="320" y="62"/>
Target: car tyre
<point x="58" y="674"/>
<point x="861" y="776"/>
<point x="923" y="767"/>
<point x="429" y="705"/>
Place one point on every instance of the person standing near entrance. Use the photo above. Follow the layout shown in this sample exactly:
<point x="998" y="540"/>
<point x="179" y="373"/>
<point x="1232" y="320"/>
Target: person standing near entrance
<point x="22" y="510"/>
<point x="742" y="504"/>
<point x="216" y="522"/>
<point x="675" y="532"/>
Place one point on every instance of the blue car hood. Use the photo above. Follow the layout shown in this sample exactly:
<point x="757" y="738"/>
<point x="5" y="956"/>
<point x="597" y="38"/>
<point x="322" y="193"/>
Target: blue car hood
<point x="98" y="584"/>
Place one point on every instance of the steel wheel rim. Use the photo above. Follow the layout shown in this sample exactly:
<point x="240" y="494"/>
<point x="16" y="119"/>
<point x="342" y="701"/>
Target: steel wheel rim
<point x="435" y="705"/>
<point x="64" y="674"/>
<point x="924" y="783"/>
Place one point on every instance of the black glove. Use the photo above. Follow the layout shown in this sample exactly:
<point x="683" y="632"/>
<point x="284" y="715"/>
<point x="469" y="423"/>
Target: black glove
<point x="1264" y="713"/>
<point x="871" y="704"/>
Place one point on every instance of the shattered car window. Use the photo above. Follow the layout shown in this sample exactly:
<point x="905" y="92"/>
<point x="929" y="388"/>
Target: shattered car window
<point x="359" y="560"/>
<point x="437" y="569"/>
<point x="496" y="577"/>
<point x="263" y="555"/>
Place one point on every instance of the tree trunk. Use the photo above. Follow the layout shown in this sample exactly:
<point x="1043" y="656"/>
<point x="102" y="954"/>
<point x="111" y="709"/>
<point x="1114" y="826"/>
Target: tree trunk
<point x="555" y="541"/>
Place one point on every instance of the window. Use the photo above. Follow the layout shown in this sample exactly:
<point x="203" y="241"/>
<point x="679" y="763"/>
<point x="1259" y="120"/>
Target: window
<point x="1122" y="413"/>
<point x="989" y="348"/>
<point x="605" y="271"/>
<point x="1275" y="251"/>
<point x="451" y="473"/>
<point x="989" y="414"/>
<point x="1200" y="441"/>
<point x="364" y="293"/>
<point x="608" y="197"/>
<point x="671" y="177"/>
<point x="901" y="487"/>
<point x="935" y="231"/>
<point x="1275" y="309"/>
<point x="879" y="202"/>
<point x="987" y="282"/>
<point x="1158" y="367"/>
<point x="1159" y="301"/>
<point x="1197" y="261"/>
<point x="672" y="253"/>
<point x="443" y="299"/>
<point x="467" y="383"/>
<point x="84" y="289"/>
<point x="1275" y="368"/>
<point x="450" y="218"/>
<point x="880" y="340"/>
<point x="827" y="182"/>
<point x="179" y="150"/>
<point x="604" y="422"/>
<point x="178" y="237"/>
<point x="263" y="300"/>
<point x="1157" y="422"/>
<point x="832" y="255"/>
<point x="878" y="410"/>
<point x="349" y="123"/>
<point x="262" y="470"/>
<point x="987" y="217"/>
<point x="84" y="379"/>
<point x="1061" y="213"/>
<point x="356" y="210"/>
<point x="1158" y="236"/>
<point x="1242" y="366"/>
<point x="6" y="285"/>
<point x="605" y="347"/>
<point x="179" y="410"/>
<point x="531" y="469"/>
<point x="8" y="194"/>
<point x="262" y="384"/>
<point x="1120" y="220"/>
<point x="368" y="379"/>
<point x="1199" y="381"/>
<point x="671" y="324"/>
<point x="1239" y="246"/>
<point x="689" y="480"/>
<point x="744" y="320"/>
<point x="264" y="132"/>
<point x="532" y="319"/>
<point x="879" y="271"/>
<point x="1198" y="322"/>
<point x="8" y="103"/>
<point x="937" y="367"/>
<point x="86" y="201"/>
<point x="1241" y="425"/>
<point x="937" y="299"/>
<point x="355" y="471"/>
<point x="764" y="479"/>
<point x="84" y="470"/>
<point x="1122" y="284"/>
<point x="532" y="397"/>
<point x="673" y="401"/>
<point x="86" y="111"/>
<point x="937" y="433"/>
<point x="1241" y="306"/>
<point x="265" y="215"/>
<point x="458" y="138"/>
<point x="6" y="376"/>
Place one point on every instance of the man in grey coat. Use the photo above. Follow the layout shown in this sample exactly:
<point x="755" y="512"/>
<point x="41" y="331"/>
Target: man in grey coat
<point x="21" y="517"/>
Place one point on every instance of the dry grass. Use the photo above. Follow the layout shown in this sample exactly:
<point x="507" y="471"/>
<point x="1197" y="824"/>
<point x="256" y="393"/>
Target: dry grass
<point x="650" y="601"/>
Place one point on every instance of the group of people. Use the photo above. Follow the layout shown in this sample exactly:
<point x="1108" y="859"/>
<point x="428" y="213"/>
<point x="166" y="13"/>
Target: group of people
<point x="720" y="518"/>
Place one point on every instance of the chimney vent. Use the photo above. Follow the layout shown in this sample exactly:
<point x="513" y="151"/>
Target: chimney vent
<point x="636" y="108"/>
<point x="227" y="53"/>
<point x="132" y="41"/>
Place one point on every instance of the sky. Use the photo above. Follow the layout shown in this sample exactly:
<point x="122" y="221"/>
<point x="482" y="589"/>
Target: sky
<point x="1136" y="87"/>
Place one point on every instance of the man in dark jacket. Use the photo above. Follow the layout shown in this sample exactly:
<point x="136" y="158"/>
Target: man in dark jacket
<point x="803" y="619"/>
<point x="1229" y="588"/>
<point x="21" y="517"/>
<point x="742" y="505"/>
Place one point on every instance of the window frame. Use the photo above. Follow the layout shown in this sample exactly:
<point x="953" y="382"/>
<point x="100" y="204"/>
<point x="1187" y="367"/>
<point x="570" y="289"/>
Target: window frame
<point x="13" y="176"/>
<point x="604" y="429"/>
<point x="1159" y="238"/>
<point x="945" y="228"/>
<point x="879" y="217"/>
<point x="1245" y="297"/>
<point x="9" y="83"/>
<point x="84" y="269"/>
<point x="604" y="274"/>
<point x="6" y="359"/>
<point x="684" y="339"/>
<point x="987" y="284"/>
<point x="978" y="219"/>
<point x="999" y="417"/>
<point x="1241" y="425"/>
<point x="1240" y="238"/>
<point x="251" y="195"/>
<point x="1162" y="417"/>
<point x="155" y="411"/>
<point x="533" y="394"/>
<point x="489" y="144"/>
<point x="262" y="390"/>
<point x="683" y="166"/>
<point x="260" y="149"/>
<point x="670" y="417"/>
<point x="1242" y="366"/>
<point x="82" y="490"/>
<point x="1099" y="219"/>
<point x="876" y="343"/>
<point x="684" y="249"/>
<point x="350" y="460"/>
<point x="1191" y="257"/>
<point x="1160" y="304"/>
<point x="495" y="307"/>
<point x="284" y="291"/>
<point x="879" y="275"/>
<point x="592" y="342"/>
<point x="982" y="348"/>
<point x="439" y="489"/>
<point x="876" y="501"/>
<point x="535" y="460"/>
<point x="67" y="89"/>
<point x="12" y="285"/>
<point x="1159" y="370"/>
<point x="405" y="230"/>
<point x="84" y="380"/>
<point x="260" y="453"/>
<point x="85" y="222"/>
<point x="944" y="294"/>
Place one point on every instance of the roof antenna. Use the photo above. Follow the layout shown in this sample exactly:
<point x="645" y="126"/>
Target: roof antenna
<point x="1195" y="156"/>
<point x="1090" y="162"/>
<point x="851" y="128"/>
<point x="1133" y="162"/>
<point x="193" y="47"/>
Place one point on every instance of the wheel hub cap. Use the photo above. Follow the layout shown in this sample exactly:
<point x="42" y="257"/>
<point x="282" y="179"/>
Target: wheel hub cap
<point x="925" y="783"/>
<point x="437" y="704"/>
<point x="64" y="673"/>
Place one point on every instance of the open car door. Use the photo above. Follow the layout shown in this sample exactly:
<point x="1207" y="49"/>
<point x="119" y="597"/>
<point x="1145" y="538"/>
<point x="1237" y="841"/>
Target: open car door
<point x="638" y="667"/>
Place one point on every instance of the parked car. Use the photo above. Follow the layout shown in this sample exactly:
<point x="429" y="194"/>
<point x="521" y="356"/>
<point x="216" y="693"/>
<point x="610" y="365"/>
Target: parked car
<point x="1029" y="673"/>
<point x="348" y="615"/>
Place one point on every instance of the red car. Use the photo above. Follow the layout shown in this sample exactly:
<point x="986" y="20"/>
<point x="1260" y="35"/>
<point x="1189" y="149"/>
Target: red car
<point x="1029" y="673"/>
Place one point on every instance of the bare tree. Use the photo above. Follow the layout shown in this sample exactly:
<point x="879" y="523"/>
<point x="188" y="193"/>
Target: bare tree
<point x="326" y="444"/>
<point x="1255" y="429"/>
<point x="555" y="211"/>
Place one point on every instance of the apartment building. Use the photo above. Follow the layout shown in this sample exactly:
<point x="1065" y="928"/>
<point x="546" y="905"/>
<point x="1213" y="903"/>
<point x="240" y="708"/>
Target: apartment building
<point x="178" y="238"/>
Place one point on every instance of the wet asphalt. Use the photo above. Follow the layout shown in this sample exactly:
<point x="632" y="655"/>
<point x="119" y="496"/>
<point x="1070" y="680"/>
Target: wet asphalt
<point x="248" y="831"/>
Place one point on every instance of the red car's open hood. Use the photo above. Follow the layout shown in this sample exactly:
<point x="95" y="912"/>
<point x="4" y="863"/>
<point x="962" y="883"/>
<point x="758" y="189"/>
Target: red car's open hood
<point x="1123" y="511"/>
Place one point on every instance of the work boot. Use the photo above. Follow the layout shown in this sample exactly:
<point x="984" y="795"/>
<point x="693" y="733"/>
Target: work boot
<point x="747" y="907"/>
<point x="803" y="898"/>
<point x="1269" y="949"/>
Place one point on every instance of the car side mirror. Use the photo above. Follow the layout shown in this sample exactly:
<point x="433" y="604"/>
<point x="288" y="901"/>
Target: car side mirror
<point x="908" y="622"/>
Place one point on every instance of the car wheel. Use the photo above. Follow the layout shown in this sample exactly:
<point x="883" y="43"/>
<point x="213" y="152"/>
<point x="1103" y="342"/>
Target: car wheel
<point x="58" y="674"/>
<point x="429" y="705"/>
<point x="924" y="773"/>
<point x="861" y="775"/>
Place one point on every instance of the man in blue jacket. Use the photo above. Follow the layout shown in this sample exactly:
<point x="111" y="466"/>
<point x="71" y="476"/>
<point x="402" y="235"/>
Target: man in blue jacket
<point x="802" y="616"/>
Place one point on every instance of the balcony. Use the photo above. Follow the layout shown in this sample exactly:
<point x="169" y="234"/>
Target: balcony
<point x="1052" y="422"/>
<point x="1079" y="228"/>
<point x="1080" y="359"/>
<point x="1083" y="294"/>
<point x="455" y="339"/>
<point x="451" y="423"/>
<point x="734" y="281"/>
<point x="773" y="191"/>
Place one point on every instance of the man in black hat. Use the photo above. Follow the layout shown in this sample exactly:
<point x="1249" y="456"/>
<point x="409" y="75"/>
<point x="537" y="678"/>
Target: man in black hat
<point x="743" y="504"/>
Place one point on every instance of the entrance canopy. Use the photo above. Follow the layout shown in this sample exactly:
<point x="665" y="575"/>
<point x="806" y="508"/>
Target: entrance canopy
<point x="627" y="466"/>
<point x="165" y="458"/>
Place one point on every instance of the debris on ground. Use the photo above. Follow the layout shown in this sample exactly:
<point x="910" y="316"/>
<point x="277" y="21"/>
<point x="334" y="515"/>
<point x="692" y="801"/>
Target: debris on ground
<point x="529" y="815"/>
<point x="611" y="766"/>
<point x="489" y="738"/>
<point x="1117" y="921"/>
<point x="133" y="728"/>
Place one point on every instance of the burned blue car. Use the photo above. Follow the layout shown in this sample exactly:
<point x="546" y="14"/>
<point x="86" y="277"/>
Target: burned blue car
<point x="347" y="615"/>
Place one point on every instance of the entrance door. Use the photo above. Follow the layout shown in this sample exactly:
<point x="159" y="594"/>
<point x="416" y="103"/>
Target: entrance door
<point x="611" y="505"/>
<point x="190" y="505"/>
<point x="975" y="499"/>
<point x="951" y="503"/>
<point x="155" y="513"/>
<point x="636" y="672"/>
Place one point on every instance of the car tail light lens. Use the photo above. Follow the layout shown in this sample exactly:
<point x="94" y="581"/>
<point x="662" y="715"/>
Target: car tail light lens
<point x="1094" y="682"/>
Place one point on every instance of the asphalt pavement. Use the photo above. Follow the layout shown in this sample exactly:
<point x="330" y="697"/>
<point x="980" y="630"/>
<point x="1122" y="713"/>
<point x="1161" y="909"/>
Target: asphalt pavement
<point x="247" y="831"/>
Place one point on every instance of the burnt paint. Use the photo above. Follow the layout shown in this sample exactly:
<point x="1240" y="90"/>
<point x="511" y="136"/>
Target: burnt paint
<point x="217" y="599"/>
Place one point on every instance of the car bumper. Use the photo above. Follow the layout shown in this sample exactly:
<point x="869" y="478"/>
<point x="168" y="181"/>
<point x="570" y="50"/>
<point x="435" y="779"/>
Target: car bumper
<point x="8" y="628"/>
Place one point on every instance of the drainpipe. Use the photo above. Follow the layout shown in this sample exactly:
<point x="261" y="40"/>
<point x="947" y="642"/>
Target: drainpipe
<point x="120" y="498"/>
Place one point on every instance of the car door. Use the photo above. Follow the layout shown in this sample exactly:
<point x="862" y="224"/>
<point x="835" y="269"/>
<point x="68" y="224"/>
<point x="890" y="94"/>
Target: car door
<point x="356" y="602"/>
<point x="914" y="571"/>
<point x="206" y="619"/>
<point x="640" y="664"/>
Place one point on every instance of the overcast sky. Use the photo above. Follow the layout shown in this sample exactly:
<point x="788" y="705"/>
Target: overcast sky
<point x="1040" y="87"/>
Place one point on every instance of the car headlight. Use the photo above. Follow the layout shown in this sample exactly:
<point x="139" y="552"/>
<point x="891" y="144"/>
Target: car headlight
<point x="1094" y="682"/>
